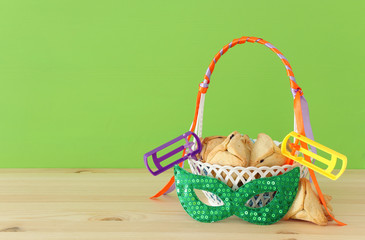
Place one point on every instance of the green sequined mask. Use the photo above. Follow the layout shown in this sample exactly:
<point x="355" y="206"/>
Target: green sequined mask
<point x="285" y="185"/>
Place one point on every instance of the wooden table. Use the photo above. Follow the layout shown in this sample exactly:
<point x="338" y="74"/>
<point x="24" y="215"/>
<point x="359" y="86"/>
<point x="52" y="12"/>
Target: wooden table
<point x="113" y="204"/>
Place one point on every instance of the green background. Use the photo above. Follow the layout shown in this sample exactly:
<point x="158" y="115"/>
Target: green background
<point x="99" y="83"/>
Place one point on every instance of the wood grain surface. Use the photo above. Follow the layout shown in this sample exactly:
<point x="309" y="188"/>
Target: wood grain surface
<point x="110" y="204"/>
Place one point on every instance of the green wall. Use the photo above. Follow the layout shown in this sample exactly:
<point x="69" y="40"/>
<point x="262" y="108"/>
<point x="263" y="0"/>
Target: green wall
<point x="99" y="83"/>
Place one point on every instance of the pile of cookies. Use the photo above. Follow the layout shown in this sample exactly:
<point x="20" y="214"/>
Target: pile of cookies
<point x="239" y="150"/>
<point x="308" y="207"/>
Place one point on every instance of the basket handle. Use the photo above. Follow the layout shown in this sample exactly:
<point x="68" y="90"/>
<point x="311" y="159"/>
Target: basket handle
<point x="203" y="87"/>
<point x="205" y="84"/>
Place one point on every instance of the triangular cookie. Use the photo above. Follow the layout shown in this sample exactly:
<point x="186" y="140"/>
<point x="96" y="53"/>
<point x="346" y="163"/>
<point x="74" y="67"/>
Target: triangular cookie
<point x="311" y="210"/>
<point x="208" y="144"/>
<point x="231" y="152"/>
<point x="266" y="153"/>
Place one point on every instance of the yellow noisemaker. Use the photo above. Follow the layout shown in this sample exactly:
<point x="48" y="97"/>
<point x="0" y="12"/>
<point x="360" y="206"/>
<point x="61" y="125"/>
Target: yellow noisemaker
<point x="330" y="163"/>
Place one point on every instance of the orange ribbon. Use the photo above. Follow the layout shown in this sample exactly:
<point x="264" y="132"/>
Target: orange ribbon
<point x="300" y="128"/>
<point x="172" y="179"/>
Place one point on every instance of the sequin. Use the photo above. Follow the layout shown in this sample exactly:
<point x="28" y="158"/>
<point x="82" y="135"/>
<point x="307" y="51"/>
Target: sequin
<point x="286" y="186"/>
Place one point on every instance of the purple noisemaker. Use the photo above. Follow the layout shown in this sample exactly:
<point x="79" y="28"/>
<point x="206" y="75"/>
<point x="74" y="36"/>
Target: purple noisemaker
<point x="157" y="160"/>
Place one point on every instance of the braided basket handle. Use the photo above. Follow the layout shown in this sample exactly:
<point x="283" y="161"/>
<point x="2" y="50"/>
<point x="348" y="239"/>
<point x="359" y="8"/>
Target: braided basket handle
<point x="197" y="125"/>
<point x="205" y="84"/>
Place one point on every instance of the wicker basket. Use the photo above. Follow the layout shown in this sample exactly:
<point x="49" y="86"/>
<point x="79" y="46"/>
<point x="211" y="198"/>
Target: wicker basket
<point x="238" y="176"/>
